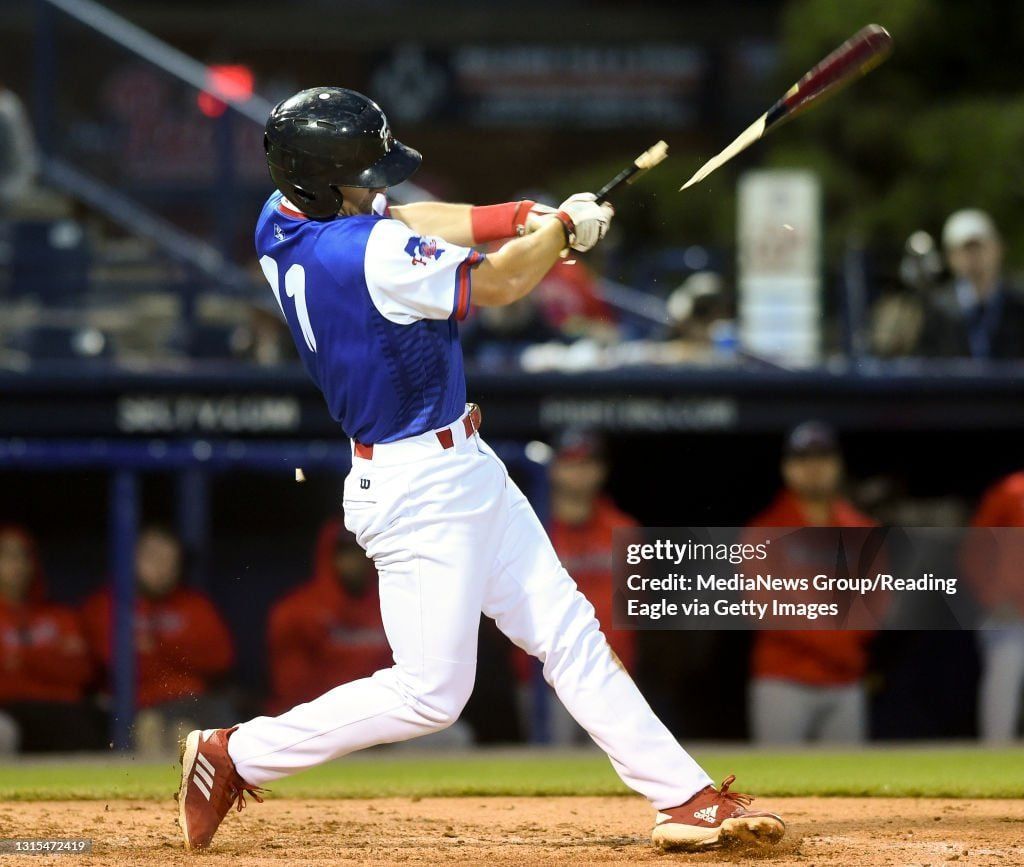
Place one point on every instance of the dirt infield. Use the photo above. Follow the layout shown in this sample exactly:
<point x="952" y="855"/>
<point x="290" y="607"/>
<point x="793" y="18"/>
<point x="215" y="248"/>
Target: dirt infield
<point x="495" y="831"/>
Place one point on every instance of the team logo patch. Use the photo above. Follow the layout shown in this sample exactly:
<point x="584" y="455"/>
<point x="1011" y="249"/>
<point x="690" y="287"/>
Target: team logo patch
<point x="422" y="250"/>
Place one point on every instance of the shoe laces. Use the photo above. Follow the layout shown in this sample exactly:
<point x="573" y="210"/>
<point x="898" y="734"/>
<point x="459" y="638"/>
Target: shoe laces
<point x="242" y="788"/>
<point x="736" y="797"/>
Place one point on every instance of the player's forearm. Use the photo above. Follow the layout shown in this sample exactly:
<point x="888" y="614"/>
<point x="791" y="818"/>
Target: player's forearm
<point x="515" y="270"/>
<point x="454" y="223"/>
<point x="467" y="225"/>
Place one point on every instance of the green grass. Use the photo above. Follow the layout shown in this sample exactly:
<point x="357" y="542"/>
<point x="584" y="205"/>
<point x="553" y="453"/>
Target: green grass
<point x="923" y="772"/>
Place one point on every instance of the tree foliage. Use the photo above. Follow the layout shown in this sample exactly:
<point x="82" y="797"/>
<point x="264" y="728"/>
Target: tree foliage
<point x="940" y="126"/>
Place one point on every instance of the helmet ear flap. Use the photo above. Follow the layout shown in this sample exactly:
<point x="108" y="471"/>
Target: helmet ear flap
<point x="303" y="195"/>
<point x="322" y="204"/>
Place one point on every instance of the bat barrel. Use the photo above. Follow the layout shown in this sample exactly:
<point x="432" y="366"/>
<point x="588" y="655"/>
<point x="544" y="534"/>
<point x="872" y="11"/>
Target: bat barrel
<point x="861" y="53"/>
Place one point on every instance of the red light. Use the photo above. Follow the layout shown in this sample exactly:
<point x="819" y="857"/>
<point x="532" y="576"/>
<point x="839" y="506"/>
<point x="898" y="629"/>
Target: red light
<point x="227" y="81"/>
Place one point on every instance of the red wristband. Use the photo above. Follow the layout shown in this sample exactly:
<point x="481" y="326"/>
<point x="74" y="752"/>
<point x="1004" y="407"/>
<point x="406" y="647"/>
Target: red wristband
<point x="568" y="226"/>
<point x="497" y="222"/>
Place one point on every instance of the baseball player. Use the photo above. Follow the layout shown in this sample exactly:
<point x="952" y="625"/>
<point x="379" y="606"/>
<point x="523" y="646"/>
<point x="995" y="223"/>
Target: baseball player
<point x="373" y="296"/>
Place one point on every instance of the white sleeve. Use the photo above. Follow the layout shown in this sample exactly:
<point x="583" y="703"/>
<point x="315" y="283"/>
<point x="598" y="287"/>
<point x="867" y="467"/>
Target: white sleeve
<point x="412" y="277"/>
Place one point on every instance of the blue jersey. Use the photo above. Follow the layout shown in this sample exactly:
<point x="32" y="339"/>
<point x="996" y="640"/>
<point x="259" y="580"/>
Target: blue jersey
<point x="372" y="307"/>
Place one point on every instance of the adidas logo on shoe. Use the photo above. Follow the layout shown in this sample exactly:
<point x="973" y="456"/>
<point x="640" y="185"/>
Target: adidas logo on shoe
<point x="202" y="775"/>
<point x="707" y="814"/>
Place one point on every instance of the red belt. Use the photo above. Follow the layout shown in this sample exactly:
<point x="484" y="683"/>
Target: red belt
<point x="471" y="422"/>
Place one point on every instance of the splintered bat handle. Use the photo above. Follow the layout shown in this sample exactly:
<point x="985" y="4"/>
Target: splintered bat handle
<point x="616" y="182"/>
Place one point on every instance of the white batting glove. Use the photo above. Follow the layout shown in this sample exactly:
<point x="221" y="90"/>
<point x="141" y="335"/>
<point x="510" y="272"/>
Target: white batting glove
<point x="591" y="220"/>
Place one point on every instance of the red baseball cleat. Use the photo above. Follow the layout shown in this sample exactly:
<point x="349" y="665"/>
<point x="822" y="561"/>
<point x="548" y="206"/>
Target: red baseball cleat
<point x="715" y="816"/>
<point x="209" y="786"/>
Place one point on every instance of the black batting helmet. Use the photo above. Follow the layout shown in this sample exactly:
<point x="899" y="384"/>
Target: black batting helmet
<point x="329" y="137"/>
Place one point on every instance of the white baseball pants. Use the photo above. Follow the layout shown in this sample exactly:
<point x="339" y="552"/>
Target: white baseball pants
<point x="452" y="535"/>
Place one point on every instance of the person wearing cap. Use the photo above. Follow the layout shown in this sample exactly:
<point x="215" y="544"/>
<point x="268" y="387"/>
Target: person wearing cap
<point x="979" y="314"/>
<point x="809" y="685"/>
<point x="583" y="519"/>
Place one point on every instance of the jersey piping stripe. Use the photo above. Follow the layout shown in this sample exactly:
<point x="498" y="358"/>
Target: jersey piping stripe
<point x="290" y="212"/>
<point x="464" y="284"/>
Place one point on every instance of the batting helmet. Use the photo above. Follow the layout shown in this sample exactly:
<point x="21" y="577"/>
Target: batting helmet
<point x="329" y="137"/>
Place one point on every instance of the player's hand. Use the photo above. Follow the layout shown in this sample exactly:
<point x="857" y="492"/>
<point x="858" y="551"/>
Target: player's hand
<point x="591" y="219"/>
<point x="538" y="216"/>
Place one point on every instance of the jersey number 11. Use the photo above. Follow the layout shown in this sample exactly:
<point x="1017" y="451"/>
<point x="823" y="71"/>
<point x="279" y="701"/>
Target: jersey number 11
<point x="294" y="287"/>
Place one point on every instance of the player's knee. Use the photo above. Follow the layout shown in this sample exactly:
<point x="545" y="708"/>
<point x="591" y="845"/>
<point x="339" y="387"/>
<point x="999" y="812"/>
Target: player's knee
<point x="574" y="633"/>
<point x="442" y="702"/>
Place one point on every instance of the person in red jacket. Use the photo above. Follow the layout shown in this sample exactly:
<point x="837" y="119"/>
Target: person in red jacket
<point x="45" y="664"/>
<point x="1000" y="590"/>
<point x="808" y="685"/>
<point x="328" y="631"/>
<point x="583" y="519"/>
<point x="182" y="645"/>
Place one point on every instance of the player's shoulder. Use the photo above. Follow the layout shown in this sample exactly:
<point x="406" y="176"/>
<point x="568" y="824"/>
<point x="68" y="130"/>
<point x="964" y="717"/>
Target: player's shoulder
<point x="612" y="517"/>
<point x="387" y="232"/>
<point x="392" y="241"/>
<point x="296" y="598"/>
<point x="848" y="515"/>
<point x="1010" y="486"/>
<point x="270" y="207"/>
<point x="343" y="243"/>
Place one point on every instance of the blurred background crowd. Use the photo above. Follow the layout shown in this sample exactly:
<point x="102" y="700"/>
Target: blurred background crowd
<point x="848" y="289"/>
<point x="310" y="634"/>
<point x="128" y="193"/>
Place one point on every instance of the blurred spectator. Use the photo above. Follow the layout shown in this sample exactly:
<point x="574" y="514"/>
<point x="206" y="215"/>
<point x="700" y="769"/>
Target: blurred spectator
<point x="328" y="631"/>
<point x="270" y="343"/>
<point x="583" y="519"/>
<point x="808" y="685"/>
<point x="980" y="314"/>
<point x="18" y="158"/>
<point x="703" y="317"/>
<point x="1001" y="592"/>
<point x="571" y="303"/>
<point x="181" y="644"/>
<point x="496" y="336"/>
<point x="898" y="315"/>
<point x="44" y="661"/>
